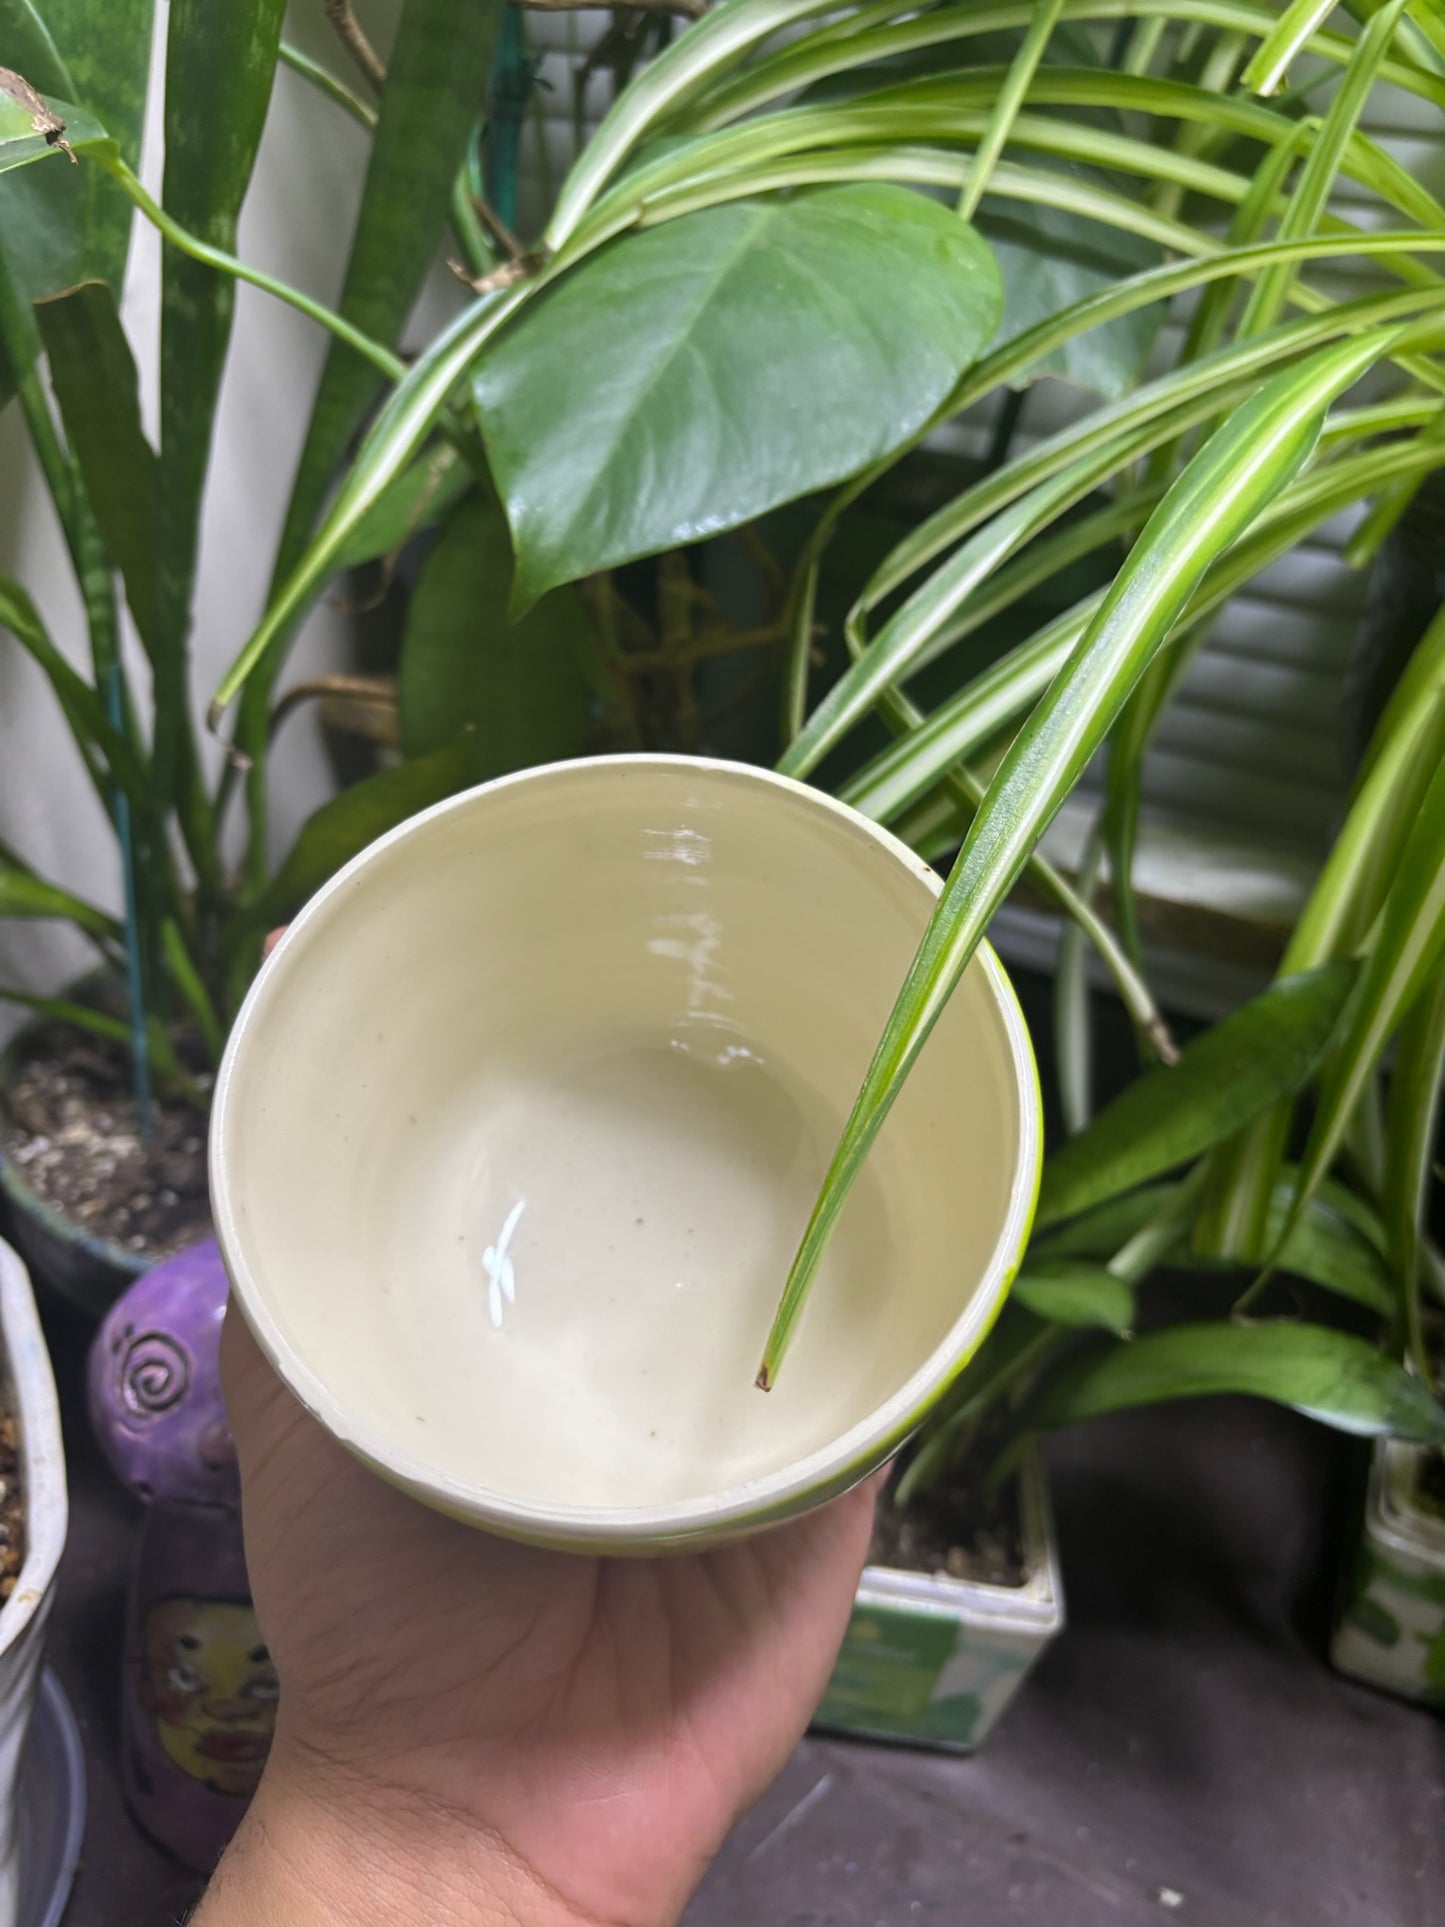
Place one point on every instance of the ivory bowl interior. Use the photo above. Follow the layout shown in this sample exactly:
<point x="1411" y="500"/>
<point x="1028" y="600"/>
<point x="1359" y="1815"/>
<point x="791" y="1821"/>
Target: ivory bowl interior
<point x="520" y="1126"/>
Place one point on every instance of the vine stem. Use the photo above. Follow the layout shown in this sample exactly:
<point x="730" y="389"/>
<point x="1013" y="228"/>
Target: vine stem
<point x="390" y="365"/>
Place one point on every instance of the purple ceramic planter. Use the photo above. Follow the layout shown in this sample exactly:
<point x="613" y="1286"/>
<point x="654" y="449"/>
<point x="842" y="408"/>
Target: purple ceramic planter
<point x="155" y="1384"/>
<point x="199" y="1692"/>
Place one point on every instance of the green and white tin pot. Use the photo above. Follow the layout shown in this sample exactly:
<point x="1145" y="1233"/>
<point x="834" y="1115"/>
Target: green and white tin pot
<point x="933" y="1661"/>
<point x="519" y="1127"/>
<point x="1391" y="1628"/>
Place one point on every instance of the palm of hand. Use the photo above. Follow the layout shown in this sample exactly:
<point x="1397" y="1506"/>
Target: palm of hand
<point x="604" y="1720"/>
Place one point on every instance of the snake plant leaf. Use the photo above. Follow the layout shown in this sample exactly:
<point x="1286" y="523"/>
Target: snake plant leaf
<point x="336" y="832"/>
<point x="1328" y="1375"/>
<point x="1074" y="1293"/>
<point x="709" y="343"/>
<point x="1237" y="1069"/>
<point x="1407" y="951"/>
<point x="219" y="67"/>
<point x="1323" y="1246"/>
<point x="522" y="686"/>
<point x="94" y="377"/>
<point x="1233" y="477"/>
<point x="436" y="85"/>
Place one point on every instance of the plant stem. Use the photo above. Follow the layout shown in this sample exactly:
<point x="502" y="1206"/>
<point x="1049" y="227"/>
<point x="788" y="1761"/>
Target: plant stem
<point x="352" y="35"/>
<point x="326" y="82"/>
<point x="392" y="366"/>
<point x="938" y="1452"/>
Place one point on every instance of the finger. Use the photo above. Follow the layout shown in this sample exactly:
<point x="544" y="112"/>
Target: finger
<point x="272" y="940"/>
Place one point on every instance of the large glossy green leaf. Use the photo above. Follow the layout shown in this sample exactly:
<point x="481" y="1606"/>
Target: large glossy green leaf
<point x="219" y="67"/>
<point x="1326" y="1374"/>
<point x="1407" y="952"/>
<point x="734" y="359"/>
<point x="94" y="377"/>
<point x="33" y="128"/>
<point x="1213" y="503"/>
<point x="1231" y="1073"/>
<point x="58" y="224"/>
<point x="1075" y="1293"/>
<point x="343" y="827"/>
<point x="522" y="686"/>
<point x="436" y="82"/>
<point x="1049" y="259"/>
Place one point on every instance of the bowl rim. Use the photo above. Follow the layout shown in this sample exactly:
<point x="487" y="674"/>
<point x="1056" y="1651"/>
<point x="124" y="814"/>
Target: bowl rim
<point x="832" y="1468"/>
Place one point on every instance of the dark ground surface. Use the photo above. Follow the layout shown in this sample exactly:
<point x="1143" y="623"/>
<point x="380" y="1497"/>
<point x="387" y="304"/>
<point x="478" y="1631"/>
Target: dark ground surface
<point x="1183" y="1752"/>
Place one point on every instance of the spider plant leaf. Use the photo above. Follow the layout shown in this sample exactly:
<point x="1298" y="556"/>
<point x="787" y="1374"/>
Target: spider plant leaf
<point x="1411" y="1123"/>
<point x="1075" y="1293"/>
<point x="1329" y="1375"/>
<point x="1243" y="465"/>
<point x="1232" y="1072"/>
<point x="1401" y="964"/>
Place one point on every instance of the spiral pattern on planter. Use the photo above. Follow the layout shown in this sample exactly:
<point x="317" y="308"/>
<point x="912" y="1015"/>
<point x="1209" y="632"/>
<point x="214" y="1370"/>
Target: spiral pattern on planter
<point x="155" y="1375"/>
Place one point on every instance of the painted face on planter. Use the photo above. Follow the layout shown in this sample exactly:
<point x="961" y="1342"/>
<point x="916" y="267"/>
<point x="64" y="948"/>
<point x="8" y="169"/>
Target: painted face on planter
<point x="212" y="1689"/>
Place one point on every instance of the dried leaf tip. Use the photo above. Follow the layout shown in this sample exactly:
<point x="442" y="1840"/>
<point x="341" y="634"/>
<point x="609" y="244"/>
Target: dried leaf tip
<point x="764" y="1379"/>
<point x="41" y="118"/>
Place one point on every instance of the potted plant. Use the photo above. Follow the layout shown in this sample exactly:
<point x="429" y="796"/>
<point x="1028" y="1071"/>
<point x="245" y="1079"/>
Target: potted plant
<point x="103" y="1095"/>
<point x="943" y="1634"/>
<point x="32" y="1536"/>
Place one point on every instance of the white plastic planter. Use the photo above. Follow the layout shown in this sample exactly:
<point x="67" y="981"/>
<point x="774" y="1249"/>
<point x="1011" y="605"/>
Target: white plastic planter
<point x="1391" y="1628"/>
<point x="25" y="1369"/>
<point x="933" y="1661"/>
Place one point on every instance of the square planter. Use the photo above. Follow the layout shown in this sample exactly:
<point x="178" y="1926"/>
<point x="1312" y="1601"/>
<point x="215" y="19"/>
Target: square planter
<point x="1391" y="1628"/>
<point x="30" y="1388"/>
<point x="933" y="1661"/>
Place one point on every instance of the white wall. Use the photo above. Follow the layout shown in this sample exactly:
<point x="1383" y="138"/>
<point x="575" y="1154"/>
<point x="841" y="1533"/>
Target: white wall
<point x="296" y="224"/>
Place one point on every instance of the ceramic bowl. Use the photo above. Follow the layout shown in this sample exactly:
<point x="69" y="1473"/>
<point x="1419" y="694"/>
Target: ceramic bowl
<point x="519" y="1127"/>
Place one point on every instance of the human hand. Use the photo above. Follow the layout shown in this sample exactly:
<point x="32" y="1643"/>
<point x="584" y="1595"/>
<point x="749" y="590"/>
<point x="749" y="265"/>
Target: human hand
<point x="492" y="1731"/>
